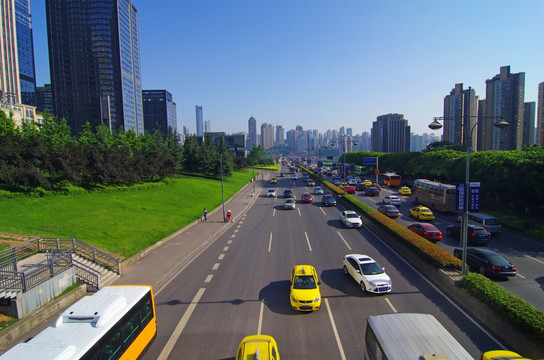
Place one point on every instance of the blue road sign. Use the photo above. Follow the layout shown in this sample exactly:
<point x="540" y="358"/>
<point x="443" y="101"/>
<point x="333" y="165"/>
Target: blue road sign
<point x="474" y="197"/>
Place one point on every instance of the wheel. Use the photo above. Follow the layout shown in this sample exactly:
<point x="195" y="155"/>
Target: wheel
<point x="346" y="270"/>
<point x="363" y="287"/>
<point x="482" y="270"/>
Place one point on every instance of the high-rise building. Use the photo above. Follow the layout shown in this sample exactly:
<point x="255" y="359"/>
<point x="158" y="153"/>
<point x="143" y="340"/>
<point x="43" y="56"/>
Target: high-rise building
<point x="94" y="57"/>
<point x="251" y="132"/>
<point x="391" y="134"/>
<point x="291" y="139"/>
<point x="504" y="98"/>
<point x="44" y="98"/>
<point x="280" y="135"/>
<point x="267" y="135"/>
<point x="159" y="111"/>
<point x="540" y="116"/>
<point x="460" y="108"/>
<point x="199" y="121"/>
<point x="529" y="110"/>
<point x="207" y="126"/>
<point x="349" y="132"/>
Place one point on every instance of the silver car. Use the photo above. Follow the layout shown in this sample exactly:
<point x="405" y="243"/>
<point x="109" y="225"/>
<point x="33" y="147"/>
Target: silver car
<point x="289" y="204"/>
<point x="271" y="193"/>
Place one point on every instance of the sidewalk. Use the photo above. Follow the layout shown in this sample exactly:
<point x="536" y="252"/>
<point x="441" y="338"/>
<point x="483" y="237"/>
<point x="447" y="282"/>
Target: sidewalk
<point x="157" y="264"/>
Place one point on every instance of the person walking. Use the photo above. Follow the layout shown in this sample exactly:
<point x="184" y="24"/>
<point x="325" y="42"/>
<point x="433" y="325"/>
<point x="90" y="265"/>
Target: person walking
<point x="205" y="212"/>
<point x="229" y="214"/>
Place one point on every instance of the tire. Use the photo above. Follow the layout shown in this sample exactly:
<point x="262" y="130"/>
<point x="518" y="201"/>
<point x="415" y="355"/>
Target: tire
<point x="482" y="270"/>
<point x="346" y="270"/>
<point x="363" y="287"/>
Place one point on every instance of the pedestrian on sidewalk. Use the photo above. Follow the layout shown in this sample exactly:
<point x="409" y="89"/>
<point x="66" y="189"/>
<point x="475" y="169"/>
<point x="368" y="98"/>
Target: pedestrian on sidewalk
<point x="229" y="214"/>
<point x="205" y="212"/>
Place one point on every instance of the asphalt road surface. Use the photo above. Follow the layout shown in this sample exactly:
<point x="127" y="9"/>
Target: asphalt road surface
<point x="239" y="286"/>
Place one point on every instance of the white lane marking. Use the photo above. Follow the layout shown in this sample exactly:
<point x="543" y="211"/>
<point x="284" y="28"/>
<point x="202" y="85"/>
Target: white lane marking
<point x="308" y="241"/>
<point x="208" y="278"/>
<point x="270" y="243"/>
<point x="390" y="305"/>
<point x="215" y="266"/>
<point x="336" y="336"/>
<point x="181" y="325"/>
<point x="236" y="230"/>
<point x="274" y="212"/>
<point x="439" y="291"/>
<point x="323" y="211"/>
<point x="226" y="248"/>
<point x="241" y="222"/>
<point x="238" y="226"/>
<point x="341" y="237"/>
<point x="521" y="276"/>
<point x="535" y="259"/>
<point x="233" y="236"/>
<point x="299" y="214"/>
<point x="260" y="325"/>
<point x="229" y="242"/>
<point x="221" y="256"/>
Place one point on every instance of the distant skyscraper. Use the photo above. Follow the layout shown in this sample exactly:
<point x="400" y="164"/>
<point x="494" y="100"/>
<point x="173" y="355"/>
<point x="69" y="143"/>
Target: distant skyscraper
<point x="267" y="135"/>
<point x="529" y="110"/>
<point x="461" y="107"/>
<point x="207" y="126"/>
<point x="199" y="121"/>
<point x="280" y="135"/>
<point x="44" y="98"/>
<point x="505" y="98"/>
<point x="159" y="111"/>
<point x="391" y="134"/>
<point x="349" y="132"/>
<point x="94" y="57"/>
<point x="291" y="139"/>
<point x="252" y="133"/>
<point x="540" y="115"/>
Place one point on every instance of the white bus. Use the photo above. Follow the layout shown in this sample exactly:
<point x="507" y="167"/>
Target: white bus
<point x="435" y="195"/>
<point x="410" y="336"/>
<point x="117" y="322"/>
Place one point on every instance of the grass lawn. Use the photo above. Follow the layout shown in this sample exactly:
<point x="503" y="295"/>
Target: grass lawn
<point x="122" y="223"/>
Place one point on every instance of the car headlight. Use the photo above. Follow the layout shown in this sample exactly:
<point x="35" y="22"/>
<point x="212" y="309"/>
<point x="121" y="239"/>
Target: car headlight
<point x="372" y="283"/>
<point x="293" y="298"/>
<point x="316" y="299"/>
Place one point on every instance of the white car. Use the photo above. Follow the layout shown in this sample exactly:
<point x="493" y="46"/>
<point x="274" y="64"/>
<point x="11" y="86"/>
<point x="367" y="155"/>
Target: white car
<point x="289" y="204"/>
<point x="392" y="200"/>
<point x="368" y="273"/>
<point x="294" y="177"/>
<point x="351" y="219"/>
<point x="271" y="193"/>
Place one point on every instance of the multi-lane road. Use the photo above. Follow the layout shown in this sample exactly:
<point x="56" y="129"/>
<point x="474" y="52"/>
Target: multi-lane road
<point x="239" y="286"/>
<point x="524" y="252"/>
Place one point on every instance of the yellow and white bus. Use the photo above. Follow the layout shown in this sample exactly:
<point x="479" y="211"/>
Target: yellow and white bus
<point x="407" y="336"/>
<point x="117" y="322"/>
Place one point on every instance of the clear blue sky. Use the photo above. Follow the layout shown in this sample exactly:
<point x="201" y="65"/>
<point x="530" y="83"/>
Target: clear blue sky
<point x="323" y="64"/>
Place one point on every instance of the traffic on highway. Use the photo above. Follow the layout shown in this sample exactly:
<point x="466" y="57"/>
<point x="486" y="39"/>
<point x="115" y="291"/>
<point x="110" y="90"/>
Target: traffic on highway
<point x="309" y="277"/>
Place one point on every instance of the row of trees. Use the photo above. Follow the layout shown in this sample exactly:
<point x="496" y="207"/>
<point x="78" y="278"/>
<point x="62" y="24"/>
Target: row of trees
<point x="52" y="158"/>
<point x="514" y="175"/>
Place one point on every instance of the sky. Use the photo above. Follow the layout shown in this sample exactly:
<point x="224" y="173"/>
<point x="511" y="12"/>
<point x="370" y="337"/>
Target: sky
<point x="324" y="64"/>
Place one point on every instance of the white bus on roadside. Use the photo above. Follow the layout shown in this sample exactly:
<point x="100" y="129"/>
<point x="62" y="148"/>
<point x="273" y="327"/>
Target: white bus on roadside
<point x="410" y="336"/>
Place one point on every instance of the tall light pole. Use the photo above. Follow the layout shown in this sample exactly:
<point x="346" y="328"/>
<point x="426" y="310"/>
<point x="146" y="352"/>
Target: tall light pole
<point x="344" y="142"/>
<point x="222" y="191"/>
<point x="435" y="125"/>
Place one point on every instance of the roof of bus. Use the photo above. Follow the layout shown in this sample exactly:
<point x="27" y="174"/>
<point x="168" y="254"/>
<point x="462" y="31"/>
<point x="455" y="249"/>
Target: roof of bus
<point x="410" y="335"/>
<point x="435" y="183"/>
<point x="87" y="319"/>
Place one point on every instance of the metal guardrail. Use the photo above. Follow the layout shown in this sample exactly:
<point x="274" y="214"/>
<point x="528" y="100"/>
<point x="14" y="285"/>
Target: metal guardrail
<point x="59" y="258"/>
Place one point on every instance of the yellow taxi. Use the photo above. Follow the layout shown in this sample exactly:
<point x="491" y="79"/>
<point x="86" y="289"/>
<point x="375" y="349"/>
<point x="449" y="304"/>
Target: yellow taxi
<point x="273" y="181"/>
<point x="422" y="213"/>
<point x="305" y="295"/>
<point x="501" y="355"/>
<point x="367" y="182"/>
<point x="262" y="347"/>
<point x="405" y="190"/>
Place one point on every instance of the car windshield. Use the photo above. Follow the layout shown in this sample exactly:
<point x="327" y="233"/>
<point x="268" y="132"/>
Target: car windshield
<point x="371" y="269"/>
<point x="427" y="211"/>
<point x="430" y="228"/>
<point x="304" y="282"/>
<point x="352" y="216"/>
<point x="492" y="222"/>
<point x="289" y="201"/>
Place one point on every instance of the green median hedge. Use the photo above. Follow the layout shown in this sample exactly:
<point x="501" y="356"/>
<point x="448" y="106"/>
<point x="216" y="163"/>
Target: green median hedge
<point x="517" y="312"/>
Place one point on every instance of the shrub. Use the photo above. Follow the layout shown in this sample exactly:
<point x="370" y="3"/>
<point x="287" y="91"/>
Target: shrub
<point x="523" y="316"/>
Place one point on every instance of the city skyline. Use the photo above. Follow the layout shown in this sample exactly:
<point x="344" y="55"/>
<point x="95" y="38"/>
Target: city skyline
<point x="327" y="63"/>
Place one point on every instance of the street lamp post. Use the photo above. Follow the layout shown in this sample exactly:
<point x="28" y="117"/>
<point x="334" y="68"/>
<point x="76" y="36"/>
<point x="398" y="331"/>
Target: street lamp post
<point x="344" y="142"/>
<point x="435" y="125"/>
<point x="222" y="191"/>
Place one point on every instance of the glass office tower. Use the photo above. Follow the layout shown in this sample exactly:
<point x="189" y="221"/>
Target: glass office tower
<point x="25" y="52"/>
<point x="94" y="58"/>
<point x="159" y="111"/>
